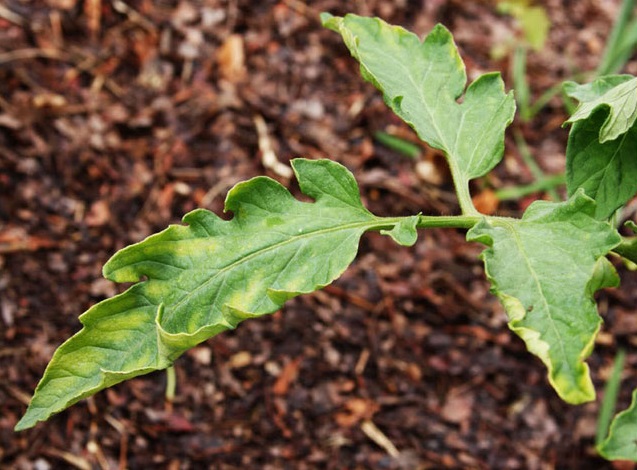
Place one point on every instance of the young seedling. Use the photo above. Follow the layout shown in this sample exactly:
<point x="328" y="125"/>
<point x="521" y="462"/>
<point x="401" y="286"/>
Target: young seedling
<point x="207" y="276"/>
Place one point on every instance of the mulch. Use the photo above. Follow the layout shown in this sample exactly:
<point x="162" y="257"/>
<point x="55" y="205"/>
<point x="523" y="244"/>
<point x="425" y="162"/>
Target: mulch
<point x="116" y="118"/>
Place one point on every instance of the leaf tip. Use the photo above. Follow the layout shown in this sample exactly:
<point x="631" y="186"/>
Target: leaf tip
<point x="32" y="416"/>
<point x="327" y="19"/>
<point x="24" y="424"/>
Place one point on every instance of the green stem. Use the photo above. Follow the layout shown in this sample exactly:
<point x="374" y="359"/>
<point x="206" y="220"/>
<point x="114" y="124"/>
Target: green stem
<point x="445" y="221"/>
<point x="520" y="84"/>
<point x="544" y="99"/>
<point x="526" y="155"/>
<point x="450" y="221"/>
<point x="401" y="146"/>
<point x="171" y="384"/>
<point x="435" y="221"/>
<point x="461" y="185"/>
<point x="530" y="162"/>
<point x="516" y="192"/>
<point x="610" y="62"/>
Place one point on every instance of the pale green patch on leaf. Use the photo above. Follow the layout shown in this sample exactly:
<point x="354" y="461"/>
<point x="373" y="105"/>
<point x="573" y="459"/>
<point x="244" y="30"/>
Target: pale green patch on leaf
<point x="545" y="268"/>
<point x="423" y="83"/>
<point x="617" y="94"/>
<point x="207" y="276"/>
<point x="621" y="443"/>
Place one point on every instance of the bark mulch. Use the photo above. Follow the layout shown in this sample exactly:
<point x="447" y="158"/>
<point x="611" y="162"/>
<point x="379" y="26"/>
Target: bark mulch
<point x="116" y="118"/>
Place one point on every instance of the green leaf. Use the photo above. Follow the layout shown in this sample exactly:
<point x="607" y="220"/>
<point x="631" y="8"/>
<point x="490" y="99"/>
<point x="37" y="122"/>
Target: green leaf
<point x="404" y="232"/>
<point x="545" y="269"/>
<point x="607" y="171"/>
<point x="616" y="93"/>
<point x="621" y="443"/>
<point x="600" y="155"/>
<point x="208" y="276"/>
<point x="423" y="83"/>
<point x="628" y="247"/>
<point x="592" y="91"/>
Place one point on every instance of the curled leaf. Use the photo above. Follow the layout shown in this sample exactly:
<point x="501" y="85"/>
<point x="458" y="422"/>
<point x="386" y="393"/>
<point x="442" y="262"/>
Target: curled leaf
<point x="616" y="93"/>
<point x="600" y="155"/>
<point x="606" y="171"/>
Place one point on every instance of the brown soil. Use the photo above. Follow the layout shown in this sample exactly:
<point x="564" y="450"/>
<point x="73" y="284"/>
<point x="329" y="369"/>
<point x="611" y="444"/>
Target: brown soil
<point x="117" y="118"/>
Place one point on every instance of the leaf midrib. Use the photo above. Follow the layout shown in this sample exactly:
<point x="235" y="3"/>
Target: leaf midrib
<point x="419" y="93"/>
<point x="376" y="222"/>
<point x="452" y="152"/>
<point x="538" y="284"/>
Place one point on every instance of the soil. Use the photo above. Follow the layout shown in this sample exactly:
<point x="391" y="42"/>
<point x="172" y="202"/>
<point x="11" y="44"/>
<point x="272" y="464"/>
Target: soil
<point x="116" y="118"/>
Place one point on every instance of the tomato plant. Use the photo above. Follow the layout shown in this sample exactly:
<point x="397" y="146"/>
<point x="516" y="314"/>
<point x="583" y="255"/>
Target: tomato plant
<point x="194" y="281"/>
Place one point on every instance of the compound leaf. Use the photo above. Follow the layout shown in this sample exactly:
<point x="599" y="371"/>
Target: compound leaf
<point x="621" y="443"/>
<point x="545" y="269"/>
<point x="423" y="81"/>
<point x="207" y="276"/>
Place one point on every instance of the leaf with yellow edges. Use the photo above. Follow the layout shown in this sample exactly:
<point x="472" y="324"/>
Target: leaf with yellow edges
<point x="545" y="269"/>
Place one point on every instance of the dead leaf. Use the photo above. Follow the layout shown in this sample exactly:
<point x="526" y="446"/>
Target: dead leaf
<point x="240" y="360"/>
<point x="458" y="407"/>
<point x="231" y="58"/>
<point x="356" y="410"/>
<point x="99" y="214"/>
<point x="288" y="375"/>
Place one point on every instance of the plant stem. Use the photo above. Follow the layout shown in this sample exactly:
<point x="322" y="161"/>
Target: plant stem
<point x="436" y="221"/>
<point x="611" y="60"/>
<point x="171" y="384"/>
<point x="449" y="221"/>
<point x="520" y="84"/>
<point x="446" y="221"/>
<point x="401" y="146"/>
<point x="544" y="98"/>
<point x="461" y="186"/>
<point x="530" y="162"/>
<point x="516" y="192"/>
